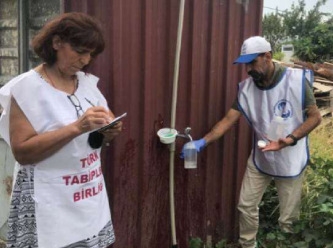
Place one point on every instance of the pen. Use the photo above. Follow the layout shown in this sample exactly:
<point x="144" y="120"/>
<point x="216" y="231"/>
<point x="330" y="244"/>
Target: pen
<point x="109" y="119"/>
<point x="90" y="102"/>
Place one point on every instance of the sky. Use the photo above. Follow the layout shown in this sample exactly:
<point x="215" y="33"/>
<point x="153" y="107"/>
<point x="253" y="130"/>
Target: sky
<point x="270" y="5"/>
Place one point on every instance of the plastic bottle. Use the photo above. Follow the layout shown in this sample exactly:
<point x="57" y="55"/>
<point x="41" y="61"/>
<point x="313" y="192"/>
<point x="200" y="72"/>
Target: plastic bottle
<point x="277" y="129"/>
<point x="190" y="156"/>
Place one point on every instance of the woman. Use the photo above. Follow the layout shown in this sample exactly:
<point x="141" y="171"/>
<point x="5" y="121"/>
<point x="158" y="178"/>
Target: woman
<point x="59" y="197"/>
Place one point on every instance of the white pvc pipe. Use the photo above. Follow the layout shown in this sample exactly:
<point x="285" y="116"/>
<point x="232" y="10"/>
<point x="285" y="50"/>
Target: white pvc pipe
<point x="173" y="121"/>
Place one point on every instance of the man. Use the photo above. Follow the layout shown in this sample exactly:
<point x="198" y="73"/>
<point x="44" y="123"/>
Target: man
<point x="272" y="91"/>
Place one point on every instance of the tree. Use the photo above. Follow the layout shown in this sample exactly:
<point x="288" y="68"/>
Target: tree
<point x="293" y="20"/>
<point x="318" y="46"/>
<point x="273" y="30"/>
<point x="299" y="23"/>
<point x="311" y="36"/>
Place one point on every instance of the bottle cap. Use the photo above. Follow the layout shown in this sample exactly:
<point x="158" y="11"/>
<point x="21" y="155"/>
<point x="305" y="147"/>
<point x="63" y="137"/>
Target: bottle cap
<point x="261" y="143"/>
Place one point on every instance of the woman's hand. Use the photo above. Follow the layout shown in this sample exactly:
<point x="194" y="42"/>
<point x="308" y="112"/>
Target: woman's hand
<point x="111" y="133"/>
<point x="97" y="117"/>
<point x="93" y="118"/>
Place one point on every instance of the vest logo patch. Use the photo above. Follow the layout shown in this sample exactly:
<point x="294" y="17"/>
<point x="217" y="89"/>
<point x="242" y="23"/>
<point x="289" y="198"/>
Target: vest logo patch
<point x="283" y="108"/>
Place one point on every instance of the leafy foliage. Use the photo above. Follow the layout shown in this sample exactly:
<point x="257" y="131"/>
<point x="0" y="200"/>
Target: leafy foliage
<point x="278" y="56"/>
<point x="299" y="23"/>
<point x="315" y="226"/>
<point x="273" y="29"/>
<point x="195" y="243"/>
<point x="318" y="46"/>
<point x="311" y="36"/>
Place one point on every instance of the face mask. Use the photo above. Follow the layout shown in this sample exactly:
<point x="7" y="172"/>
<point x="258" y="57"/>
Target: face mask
<point x="258" y="78"/>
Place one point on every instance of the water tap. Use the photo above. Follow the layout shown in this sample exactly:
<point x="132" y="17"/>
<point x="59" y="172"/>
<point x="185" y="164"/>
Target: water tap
<point x="186" y="134"/>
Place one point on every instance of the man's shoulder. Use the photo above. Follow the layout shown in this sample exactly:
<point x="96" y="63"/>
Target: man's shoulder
<point x="280" y="68"/>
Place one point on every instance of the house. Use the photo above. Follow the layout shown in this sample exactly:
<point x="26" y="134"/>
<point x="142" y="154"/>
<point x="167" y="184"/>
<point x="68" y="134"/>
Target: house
<point x="288" y="51"/>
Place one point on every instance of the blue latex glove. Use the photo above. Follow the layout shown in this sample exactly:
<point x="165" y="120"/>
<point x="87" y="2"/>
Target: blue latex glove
<point x="199" y="145"/>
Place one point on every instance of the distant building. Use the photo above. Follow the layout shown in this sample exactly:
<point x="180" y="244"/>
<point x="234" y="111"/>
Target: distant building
<point x="288" y="51"/>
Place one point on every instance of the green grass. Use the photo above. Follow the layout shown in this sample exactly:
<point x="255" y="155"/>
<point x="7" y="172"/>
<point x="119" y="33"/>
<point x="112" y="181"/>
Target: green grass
<point x="321" y="139"/>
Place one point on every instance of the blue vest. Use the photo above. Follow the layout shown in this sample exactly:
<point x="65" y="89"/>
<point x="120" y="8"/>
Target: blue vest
<point x="260" y="106"/>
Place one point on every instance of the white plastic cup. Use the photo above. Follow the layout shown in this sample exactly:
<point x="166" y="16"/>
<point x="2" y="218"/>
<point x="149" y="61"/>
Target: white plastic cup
<point x="190" y="156"/>
<point x="167" y="135"/>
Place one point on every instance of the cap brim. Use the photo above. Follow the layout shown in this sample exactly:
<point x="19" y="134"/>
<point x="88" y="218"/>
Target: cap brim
<point x="246" y="58"/>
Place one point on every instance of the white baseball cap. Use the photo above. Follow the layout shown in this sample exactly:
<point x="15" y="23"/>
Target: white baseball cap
<point x="251" y="48"/>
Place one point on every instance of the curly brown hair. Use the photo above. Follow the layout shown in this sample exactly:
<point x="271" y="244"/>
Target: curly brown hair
<point x="77" y="29"/>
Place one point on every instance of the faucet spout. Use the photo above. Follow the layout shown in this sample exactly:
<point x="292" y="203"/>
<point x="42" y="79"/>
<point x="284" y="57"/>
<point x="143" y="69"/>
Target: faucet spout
<point x="186" y="134"/>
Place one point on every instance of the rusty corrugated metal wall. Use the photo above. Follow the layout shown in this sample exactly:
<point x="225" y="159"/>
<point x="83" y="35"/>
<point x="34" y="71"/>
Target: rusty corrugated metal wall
<point x="136" y="72"/>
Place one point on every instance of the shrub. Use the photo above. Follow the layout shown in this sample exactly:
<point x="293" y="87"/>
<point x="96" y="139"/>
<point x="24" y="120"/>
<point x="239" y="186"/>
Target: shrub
<point x="315" y="226"/>
<point x="278" y="56"/>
